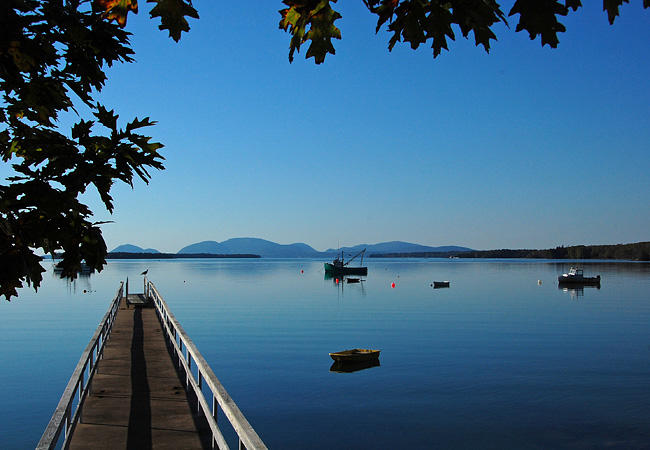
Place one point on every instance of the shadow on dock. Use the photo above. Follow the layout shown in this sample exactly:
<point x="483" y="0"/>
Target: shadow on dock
<point x="138" y="399"/>
<point x="139" y="435"/>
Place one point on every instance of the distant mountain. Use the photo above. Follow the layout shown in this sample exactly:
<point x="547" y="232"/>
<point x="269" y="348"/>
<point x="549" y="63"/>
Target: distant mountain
<point x="399" y="247"/>
<point x="205" y="247"/>
<point x="128" y="248"/>
<point x="252" y="247"/>
<point x="266" y="249"/>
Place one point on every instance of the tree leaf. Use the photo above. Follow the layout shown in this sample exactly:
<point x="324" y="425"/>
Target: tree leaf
<point x="172" y="15"/>
<point x="310" y="20"/>
<point x="116" y="10"/>
<point x="66" y="49"/>
<point x="418" y="21"/>
<point x="539" y="17"/>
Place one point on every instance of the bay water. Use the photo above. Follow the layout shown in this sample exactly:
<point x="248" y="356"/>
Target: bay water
<point x="502" y="359"/>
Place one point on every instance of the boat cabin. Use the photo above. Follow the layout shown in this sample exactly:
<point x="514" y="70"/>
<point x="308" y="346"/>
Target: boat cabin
<point x="576" y="272"/>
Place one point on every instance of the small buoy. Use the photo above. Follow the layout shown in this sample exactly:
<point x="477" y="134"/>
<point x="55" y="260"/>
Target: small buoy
<point x="539" y="282"/>
<point x="337" y="281"/>
<point x="392" y="285"/>
<point x="302" y="271"/>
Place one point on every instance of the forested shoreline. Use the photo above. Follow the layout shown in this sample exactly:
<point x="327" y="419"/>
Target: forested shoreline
<point x="639" y="251"/>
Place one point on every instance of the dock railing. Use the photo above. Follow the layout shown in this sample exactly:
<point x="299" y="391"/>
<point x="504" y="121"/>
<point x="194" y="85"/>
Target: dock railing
<point x="199" y="372"/>
<point x="68" y="412"/>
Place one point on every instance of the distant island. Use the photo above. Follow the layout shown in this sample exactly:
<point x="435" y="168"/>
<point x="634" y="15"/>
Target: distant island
<point x="260" y="248"/>
<point x="150" y="255"/>
<point x="639" y="251"/>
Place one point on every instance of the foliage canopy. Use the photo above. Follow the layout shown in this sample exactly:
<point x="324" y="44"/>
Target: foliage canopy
<point x="53" y="55"/>
<point x="417" y="22"/>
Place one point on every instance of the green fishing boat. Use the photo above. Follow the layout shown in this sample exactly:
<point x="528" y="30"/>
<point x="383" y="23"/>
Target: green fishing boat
<point x="341" y="267"/>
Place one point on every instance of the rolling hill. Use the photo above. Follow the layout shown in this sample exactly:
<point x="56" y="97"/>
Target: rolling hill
<point x="268" y="249"/>
<point x="264" y="248"/>
<point x="129" y="248"/>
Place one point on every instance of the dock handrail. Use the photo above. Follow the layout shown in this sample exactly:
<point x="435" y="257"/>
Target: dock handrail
<point x="67" y="414"/>
<point x="186" y="352"/>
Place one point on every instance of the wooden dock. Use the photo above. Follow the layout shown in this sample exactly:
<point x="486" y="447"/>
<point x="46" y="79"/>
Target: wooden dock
<point x="137" y="400"/>
<point x="141" y="384"/>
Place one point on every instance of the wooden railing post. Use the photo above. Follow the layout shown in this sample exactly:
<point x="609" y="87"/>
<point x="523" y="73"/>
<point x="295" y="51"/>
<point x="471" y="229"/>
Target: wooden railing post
<point x="64" y="419"/>
<point x="247" y="437"/>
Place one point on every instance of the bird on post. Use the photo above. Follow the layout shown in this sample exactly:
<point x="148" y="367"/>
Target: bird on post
<point x="145" y="272"/>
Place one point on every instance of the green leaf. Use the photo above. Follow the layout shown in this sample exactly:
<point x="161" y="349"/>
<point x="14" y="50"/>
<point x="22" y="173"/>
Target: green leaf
<point x="321" y="33"/>
<point x="172" y="15"/>
<point x="611" y="7"/>
<point x="310" y="20"/>
<point x="82" y="129"/>
<point x="59" y="49"/>
<point x="539" y="18"/>
<point x="106" y="118"/>
<point x="418" y="21"/>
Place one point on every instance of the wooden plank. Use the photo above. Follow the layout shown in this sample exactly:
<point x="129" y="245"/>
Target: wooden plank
<point x="138" y="399"/>
<point x="137" y="299"/>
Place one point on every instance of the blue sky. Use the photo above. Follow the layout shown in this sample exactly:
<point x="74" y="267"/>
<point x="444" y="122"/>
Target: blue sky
<point x="525" y="147"/>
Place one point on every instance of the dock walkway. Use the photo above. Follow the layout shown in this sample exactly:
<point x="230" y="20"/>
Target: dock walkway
<point x="137" y="400"/>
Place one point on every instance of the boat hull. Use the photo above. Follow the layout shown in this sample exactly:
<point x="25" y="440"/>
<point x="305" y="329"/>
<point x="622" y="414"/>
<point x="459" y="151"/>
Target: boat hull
<point x="441" y="284"/>
<point x="337" y="270"/>
<point x="355" y="355"/>
<point x="585" y="281"/>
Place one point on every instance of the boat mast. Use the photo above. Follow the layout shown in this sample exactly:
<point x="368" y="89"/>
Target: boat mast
<point x="360" y="253"/>
<point x="338" y="244"/>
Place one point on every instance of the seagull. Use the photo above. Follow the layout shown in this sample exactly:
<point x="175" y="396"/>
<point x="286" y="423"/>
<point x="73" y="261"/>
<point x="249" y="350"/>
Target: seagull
<point x="145" y="272"/>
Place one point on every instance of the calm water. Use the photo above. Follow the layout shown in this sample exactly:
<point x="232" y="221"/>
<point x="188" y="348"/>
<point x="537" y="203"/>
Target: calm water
<point x="497" y="361"/>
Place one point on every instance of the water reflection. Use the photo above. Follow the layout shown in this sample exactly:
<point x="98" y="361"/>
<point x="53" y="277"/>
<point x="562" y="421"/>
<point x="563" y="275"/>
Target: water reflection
<point x="339" y="281"/>
<point x="547" y="375"/>
<point x="79" y="284"/>
<point x="348" y="367"/>
<point x="577" y="290"/>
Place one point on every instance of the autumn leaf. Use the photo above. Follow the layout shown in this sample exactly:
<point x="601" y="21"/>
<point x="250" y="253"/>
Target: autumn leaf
<point x="116" y="9"/>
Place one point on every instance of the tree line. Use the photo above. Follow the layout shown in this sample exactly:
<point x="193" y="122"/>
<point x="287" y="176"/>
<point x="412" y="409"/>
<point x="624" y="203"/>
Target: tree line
<point x="639" y="251"/>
